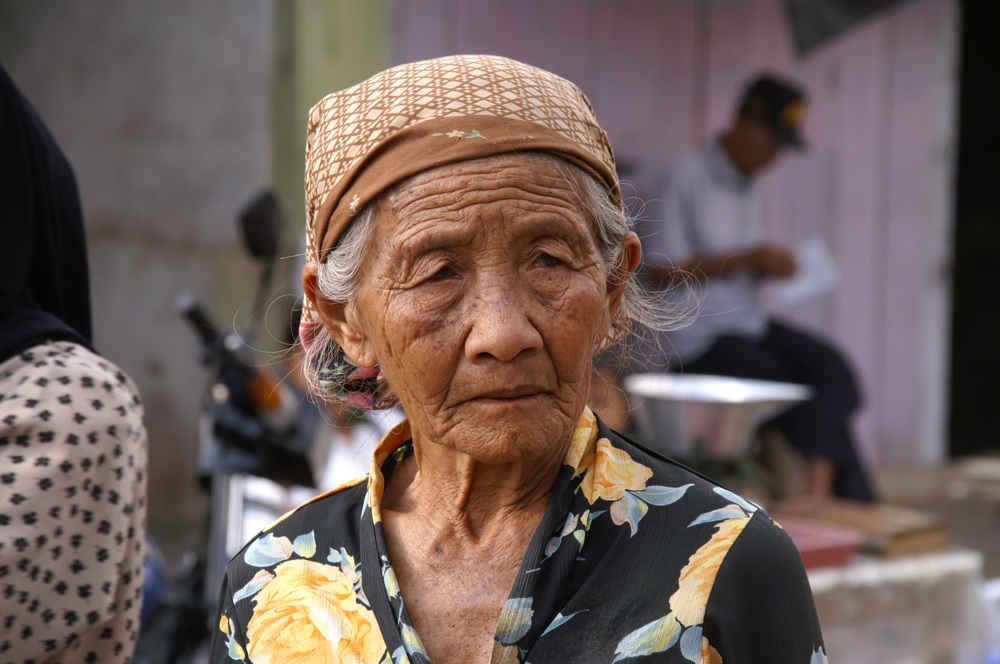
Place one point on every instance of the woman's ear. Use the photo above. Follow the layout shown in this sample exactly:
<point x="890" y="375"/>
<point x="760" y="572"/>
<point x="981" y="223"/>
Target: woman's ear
<point x="339" y="319"/>
<point x="622" y="271"/>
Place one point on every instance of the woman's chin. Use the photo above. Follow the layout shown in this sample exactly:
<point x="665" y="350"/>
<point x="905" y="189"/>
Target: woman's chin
<point x="497" y="433"/>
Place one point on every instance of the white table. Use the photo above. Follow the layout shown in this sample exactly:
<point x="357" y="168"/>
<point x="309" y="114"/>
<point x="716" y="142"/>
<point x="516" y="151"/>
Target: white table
<point x="921" y="609"/>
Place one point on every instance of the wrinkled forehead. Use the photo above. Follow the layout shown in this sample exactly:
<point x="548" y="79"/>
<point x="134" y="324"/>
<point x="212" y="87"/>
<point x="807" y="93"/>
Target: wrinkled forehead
<point x="529" y="176"/>
<point x="506" y="193"/>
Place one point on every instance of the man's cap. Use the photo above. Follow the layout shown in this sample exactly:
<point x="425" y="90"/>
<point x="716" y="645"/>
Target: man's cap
<point x="777" y="104"/>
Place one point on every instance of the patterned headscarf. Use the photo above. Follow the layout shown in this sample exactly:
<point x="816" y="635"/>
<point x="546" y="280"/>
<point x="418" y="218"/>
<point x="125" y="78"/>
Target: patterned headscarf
<point x="419" y="116"/>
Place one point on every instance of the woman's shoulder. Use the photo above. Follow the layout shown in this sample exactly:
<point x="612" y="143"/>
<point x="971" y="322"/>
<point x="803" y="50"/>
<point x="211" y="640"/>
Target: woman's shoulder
<point x="66" y="366"/>
<point x="330" y="521"/>
<point x="663" y="468"/>
<point x="701" y="503"/>
<point x="65" y="387"/>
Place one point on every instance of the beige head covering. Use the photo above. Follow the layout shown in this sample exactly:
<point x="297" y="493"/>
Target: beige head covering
<point x="418" y="116"/>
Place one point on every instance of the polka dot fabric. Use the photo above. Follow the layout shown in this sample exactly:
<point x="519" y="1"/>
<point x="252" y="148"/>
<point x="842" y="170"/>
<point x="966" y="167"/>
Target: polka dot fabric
<point x="72" y="507"/>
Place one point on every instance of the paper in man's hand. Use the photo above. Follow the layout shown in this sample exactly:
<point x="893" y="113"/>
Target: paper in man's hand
<point x="817" y="274"/>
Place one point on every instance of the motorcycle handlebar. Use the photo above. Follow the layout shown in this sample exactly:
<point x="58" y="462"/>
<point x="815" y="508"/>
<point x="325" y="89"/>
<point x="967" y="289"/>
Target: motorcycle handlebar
<point x="191" y="309"/>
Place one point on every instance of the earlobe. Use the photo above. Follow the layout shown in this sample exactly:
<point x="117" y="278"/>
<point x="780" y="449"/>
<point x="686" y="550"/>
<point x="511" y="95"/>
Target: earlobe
<point x="339" y="319"/>
<point x="628" y="263"/>
<point x="618" y="276"/>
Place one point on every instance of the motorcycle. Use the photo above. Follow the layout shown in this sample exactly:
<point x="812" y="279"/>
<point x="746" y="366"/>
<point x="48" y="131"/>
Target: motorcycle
<point x="254" y="440"/>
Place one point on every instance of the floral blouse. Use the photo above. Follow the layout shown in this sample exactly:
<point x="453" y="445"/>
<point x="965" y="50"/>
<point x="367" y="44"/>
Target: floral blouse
<point x="637" y="559"/>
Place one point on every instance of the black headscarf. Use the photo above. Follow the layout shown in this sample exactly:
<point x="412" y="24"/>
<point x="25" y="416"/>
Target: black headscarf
<point x="44" y="283"/>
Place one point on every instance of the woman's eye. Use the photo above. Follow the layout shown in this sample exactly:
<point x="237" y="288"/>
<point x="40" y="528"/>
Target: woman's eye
<point x="548" y="260"/>
<point x="442" y="273"/>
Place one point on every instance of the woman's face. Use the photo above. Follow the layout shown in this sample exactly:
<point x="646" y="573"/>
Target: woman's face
<point x="482" y="297"/>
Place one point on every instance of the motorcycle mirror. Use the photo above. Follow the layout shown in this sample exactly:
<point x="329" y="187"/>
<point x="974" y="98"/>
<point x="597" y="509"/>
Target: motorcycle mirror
<point x="262" y="221"/>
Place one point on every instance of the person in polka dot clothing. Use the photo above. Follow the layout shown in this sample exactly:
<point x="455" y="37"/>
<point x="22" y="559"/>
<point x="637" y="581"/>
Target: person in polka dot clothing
<point x="72" y="433"/>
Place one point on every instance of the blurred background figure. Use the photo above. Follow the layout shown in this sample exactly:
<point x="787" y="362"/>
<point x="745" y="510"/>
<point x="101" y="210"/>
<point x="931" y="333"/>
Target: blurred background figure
<point x="72" y="435"/>
<point x="713" y="229"/>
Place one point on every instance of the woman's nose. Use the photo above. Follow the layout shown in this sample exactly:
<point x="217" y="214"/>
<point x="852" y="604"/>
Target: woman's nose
<point x="499" y="327"/>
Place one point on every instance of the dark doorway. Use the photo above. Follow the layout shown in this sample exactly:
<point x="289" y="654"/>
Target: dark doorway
<point x="975" y="358"/>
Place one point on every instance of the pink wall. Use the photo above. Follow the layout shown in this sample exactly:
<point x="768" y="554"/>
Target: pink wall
<point x="663" y="74"/>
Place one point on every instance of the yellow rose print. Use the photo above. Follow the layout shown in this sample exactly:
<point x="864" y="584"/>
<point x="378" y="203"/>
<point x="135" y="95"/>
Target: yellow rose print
<point x="698" y="576"/>
<point x="309" y="612"/>
<point x="609" y="473"/>
<point x="709" y="655"/>
<point x="614" y="472"/>
<point x="582" y="442"/>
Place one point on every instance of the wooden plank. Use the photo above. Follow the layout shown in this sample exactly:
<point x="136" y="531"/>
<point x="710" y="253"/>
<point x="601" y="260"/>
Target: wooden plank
<point x="912" y="282"/>
<point x="770" y="50"/>
<point x="858" y="241"/>
<point x="815" y="188"/>
<point x="728" y="65"/>
<point x="646" y="83"/>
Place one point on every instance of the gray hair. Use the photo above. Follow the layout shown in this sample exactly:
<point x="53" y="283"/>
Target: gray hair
<point x="641" y="310"/>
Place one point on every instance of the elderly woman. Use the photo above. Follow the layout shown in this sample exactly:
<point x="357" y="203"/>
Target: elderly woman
<point x="470" y="256"/>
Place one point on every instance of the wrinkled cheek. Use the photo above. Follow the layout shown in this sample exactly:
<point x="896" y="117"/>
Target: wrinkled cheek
<point x="418" y="356"/>
<point x="572" y="329"/>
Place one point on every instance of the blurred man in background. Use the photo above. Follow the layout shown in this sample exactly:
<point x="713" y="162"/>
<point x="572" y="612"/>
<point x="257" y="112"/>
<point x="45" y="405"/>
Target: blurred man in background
<point x="712" y="234"/>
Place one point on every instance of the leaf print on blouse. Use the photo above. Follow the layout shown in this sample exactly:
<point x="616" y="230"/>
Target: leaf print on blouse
<point x="657" y="636"/>
<point x="695" y="647"/>
<point x="610" y="474"/>
<point x="413" y="647"/>
<point x="253" y="586"/>
<point x="663" y="634"/>
<point x="683" y="625"/>
<point x="561" y="620"/>
<point x="234" y="650"/>
<point x="819" y="657"/>
<point x="309" y="612"/>
<point x="268" y="550"/>
<point x="513" y="624"/>
<point x="350" y="570"/>
<point x="576" y="525"/>
<point x="505" y="654"/>
<point x="515" y="620"/>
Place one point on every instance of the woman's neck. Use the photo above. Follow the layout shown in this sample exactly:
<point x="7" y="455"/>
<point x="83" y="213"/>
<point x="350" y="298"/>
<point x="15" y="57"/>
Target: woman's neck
<point x="456" y="496"/>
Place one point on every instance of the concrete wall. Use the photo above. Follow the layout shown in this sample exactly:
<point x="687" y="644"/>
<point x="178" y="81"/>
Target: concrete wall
<point x="163" y="109"/>
<point x="322" y="46"/>
<point x="174" y="114"/>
